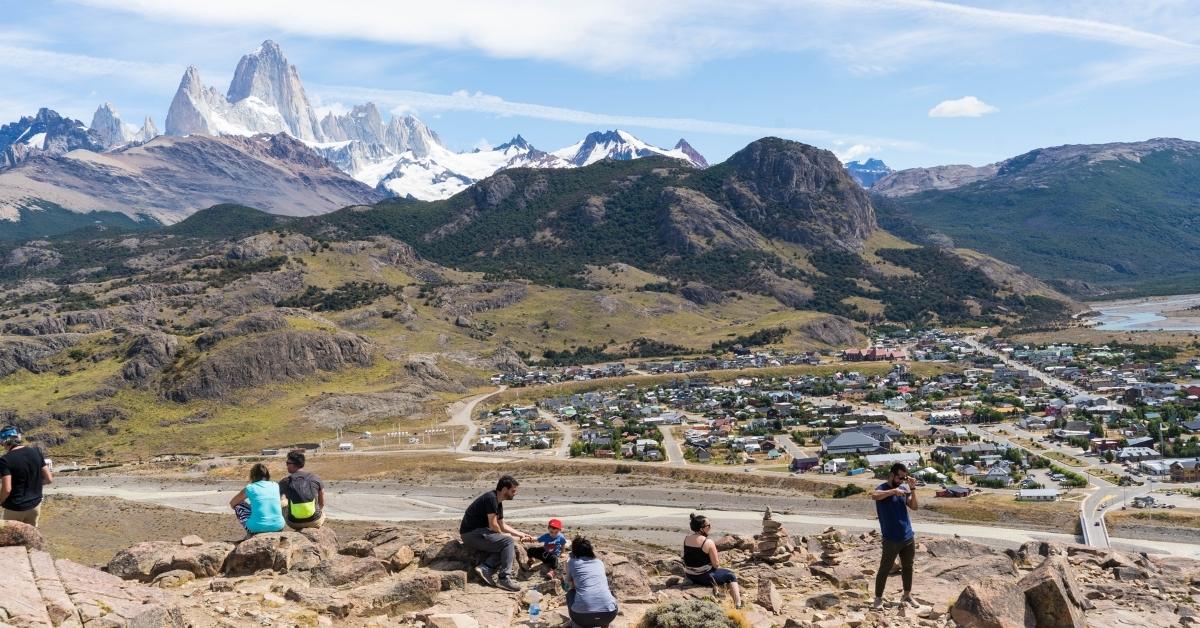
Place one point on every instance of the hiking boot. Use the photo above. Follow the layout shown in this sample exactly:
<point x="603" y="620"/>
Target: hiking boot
<point x="485" y="574"/>
<point x="507" y="585"/>
<point x="877" y="605"/>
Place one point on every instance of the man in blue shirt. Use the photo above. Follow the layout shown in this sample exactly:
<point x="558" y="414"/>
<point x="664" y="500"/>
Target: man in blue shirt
<point x="893" y="499"/>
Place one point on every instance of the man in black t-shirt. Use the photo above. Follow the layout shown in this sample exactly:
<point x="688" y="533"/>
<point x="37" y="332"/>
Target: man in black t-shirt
<point x="23" y="471"/>
<point x="483" y="529"/>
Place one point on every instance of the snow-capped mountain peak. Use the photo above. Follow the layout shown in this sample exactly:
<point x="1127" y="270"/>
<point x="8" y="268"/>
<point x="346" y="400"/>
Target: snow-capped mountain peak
<point x="620" y="145"/>
<point x="45" y="133"/>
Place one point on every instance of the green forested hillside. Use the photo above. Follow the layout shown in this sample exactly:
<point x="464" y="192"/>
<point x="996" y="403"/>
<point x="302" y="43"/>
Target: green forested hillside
<point x="1087" y="226"/>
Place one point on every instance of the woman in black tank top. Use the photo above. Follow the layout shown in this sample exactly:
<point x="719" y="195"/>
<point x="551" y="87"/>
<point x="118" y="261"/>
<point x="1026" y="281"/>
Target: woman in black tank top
<point x="702" y="563"/>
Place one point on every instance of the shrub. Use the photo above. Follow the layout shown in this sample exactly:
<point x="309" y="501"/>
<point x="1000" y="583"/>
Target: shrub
<point x="692" y="614"/>
<point x="623" y="469"/>
<point x="847" y="491"/>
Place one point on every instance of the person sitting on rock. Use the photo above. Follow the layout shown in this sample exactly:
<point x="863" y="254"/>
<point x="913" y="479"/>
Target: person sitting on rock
<point x="702" y="564"/>
<point x="590" y="602"/>
<point x="893" y="500"/>
<point x="23" y="471"/>
<point x="483" y="529"/>
<point x="258" y="506"/>
<point x="552" y="542"/>
<point x="303" y="495"/>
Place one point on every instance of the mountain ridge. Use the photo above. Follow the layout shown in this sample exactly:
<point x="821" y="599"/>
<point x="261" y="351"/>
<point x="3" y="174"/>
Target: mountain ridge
<point x="1091" y="219"/>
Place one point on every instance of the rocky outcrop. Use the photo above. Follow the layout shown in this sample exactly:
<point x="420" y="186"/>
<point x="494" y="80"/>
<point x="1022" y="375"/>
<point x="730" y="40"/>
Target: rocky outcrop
<point x="27" y="353"/>
<point x="147" y="561"/>
<point x="268" y="244"/>
<point x="798" y="193"/>
<point x="257" y="323"/>
<point x="147" y="355"/>
<point x="917" y="180"/>
<point x="15" y="533"/>
<point x="267" y="358"/>
<point x="82" y="321"/>
<point x="467" y="299"/>
<point x="38" y="590"/>
<point x="280" y="552"/>
<point x="834" y="331"/>
<point x="1046" y="596"/>
<point x="690" y="222"/>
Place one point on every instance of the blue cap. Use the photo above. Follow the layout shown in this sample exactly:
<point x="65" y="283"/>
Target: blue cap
<point x="9" y="432"/>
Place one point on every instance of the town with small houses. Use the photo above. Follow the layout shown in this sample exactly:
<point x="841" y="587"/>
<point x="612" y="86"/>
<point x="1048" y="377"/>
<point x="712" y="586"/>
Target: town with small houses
<point x="970" y="415"/>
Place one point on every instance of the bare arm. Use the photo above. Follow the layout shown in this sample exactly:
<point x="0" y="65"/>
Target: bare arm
<point x="237" y="499"/>
<point x="879" y="494"/>
<point x="321" y="498"/>
<point x="5" y="487"/>
<point x="713" y="557"/>
<point x="912" y="494"/>
<point x="47" y="475"/>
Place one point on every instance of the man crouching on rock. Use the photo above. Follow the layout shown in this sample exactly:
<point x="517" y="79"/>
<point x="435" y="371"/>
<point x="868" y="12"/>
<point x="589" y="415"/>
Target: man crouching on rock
<point x="483" y="529"/>
<point x="893" y="499"/>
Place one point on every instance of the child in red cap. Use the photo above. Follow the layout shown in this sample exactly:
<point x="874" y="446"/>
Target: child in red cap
<point x="552" y="545"/>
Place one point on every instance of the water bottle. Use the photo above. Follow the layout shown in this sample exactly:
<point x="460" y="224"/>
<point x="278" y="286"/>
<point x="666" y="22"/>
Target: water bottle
<point x="535" y="611"/>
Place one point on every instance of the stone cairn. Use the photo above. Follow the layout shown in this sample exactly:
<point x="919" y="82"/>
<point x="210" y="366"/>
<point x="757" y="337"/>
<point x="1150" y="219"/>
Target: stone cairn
<point x="774" y="544"/>
<point x="831" y="546"/>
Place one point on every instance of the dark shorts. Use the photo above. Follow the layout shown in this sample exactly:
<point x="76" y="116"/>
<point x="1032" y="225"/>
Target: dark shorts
<point x="589" y="620"/>
<point x="716" y="576"/>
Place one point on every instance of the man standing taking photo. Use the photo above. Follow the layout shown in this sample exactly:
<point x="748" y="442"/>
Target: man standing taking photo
<point x="893" y="499"/>
<point x="23" y="471"/>
<point x="483" y="529"/>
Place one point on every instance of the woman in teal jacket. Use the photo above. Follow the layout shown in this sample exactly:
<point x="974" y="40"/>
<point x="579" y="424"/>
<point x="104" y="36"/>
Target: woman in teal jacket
<point x="258" y="506"/>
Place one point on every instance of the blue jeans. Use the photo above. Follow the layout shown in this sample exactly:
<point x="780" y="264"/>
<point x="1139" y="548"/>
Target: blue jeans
<point x="716" y="576"/>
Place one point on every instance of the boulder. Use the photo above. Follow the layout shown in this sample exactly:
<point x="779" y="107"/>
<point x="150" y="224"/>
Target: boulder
<point x="629" y="581"/>
<point x="340" y="570"/>
<point x="1053" y="594"/>
<point x="401" y="558"/>
<point x="993" y="602"/>
<point x="146" y="561"/>
<point x="769" y="597"/>
<point x="191" y="541"/>
<point x="276" y="551"/>
<point x="16" y="533"/>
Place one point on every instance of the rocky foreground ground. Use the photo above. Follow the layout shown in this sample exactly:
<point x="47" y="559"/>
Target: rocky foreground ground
<point x="398" y="576"/>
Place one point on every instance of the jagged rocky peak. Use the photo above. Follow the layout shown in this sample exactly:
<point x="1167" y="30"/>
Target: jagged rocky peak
<point x="112" y="132"/>
<point x="46" y="133"/>
<point x="106" y="122"/>
<point x="362" y="123"/>
<point x="408" y="133"/>
<point x="693" y="154"/>
<point x="265" y="74"/>
<point x="517" y="142"/>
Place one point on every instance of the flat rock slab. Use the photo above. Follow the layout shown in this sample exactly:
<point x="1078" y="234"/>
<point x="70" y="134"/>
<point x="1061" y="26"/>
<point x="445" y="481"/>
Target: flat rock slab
<point x="488" y="607"/>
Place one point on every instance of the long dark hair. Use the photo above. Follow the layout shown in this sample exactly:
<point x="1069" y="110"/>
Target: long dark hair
<point x="259" y="472"/>
<point x="582" y="548"/>
<point x="698" y="522"/>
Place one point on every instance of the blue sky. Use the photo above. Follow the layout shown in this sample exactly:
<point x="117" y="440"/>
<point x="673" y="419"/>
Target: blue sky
<point x="913" y="82"/>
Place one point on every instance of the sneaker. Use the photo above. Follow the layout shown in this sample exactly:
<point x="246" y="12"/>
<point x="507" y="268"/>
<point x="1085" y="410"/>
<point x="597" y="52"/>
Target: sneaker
<point x="551" y="574"/>
<point x="877" y="605"/>
<point x="485" y="574"/>
<point x="507" y="585"/>
<point x="909" y="601"/>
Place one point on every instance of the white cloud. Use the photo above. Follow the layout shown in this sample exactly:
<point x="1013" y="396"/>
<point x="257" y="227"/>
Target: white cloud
<point x="27" y="59"/>
<point x="855" y="152"/>
<point x="965" y="107"/>
<point x="400" y="102"/>
<point x="667" y="37"/>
